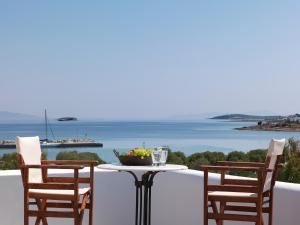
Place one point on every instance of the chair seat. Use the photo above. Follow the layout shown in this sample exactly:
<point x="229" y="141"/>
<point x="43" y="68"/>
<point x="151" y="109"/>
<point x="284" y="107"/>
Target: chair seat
<point x="231" y="194"/>
<point x="81" y="191"/>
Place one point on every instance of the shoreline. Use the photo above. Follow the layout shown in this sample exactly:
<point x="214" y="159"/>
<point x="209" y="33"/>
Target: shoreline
<point x="281" y="129"/>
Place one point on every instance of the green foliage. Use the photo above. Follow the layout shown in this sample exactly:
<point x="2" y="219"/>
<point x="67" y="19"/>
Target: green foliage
<point x="237" y="156"/>
<point x="74" y="155"/>
<point x="197" y="162"/>
<point x="258" y="155"/>
<point x="291" y="170"/>
<point x="9" y="161"/>
<point x="204" y="158"/>
<point x="176" y="158"/>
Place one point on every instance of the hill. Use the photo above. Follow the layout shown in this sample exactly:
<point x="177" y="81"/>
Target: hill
<point x="245" y="117"/>
<point x="11" y="117"/>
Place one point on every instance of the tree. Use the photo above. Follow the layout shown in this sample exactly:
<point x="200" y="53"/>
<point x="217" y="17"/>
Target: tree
<point x="197" y="162"/>
<point x="237" y="156"/>
<point x="9" y="161"/>
<point x="257" y="155"/>
<point x="74" y="155"/>
<point x="176" y="158"/>
<point x="204" y="158"/>
<point x="291" y="169"/>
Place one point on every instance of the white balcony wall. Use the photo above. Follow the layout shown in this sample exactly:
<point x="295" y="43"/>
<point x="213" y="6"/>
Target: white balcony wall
<point x="176" y="199"/>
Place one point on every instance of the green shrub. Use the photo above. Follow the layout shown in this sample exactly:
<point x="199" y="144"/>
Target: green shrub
<point x="176" y="158"/>
<point x="9" y="161"/>
<point x="290" y="172"/>
<point x="291" y="169"/>
<point x="257" y="155"/>
<point x="237" y="156"/>
<point x="74" y="155"/>
<point x="211" y="157"/>
<point x="197" y="162"/>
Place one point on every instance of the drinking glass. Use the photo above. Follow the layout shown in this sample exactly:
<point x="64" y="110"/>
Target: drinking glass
<point x="156" y="156"/>
<point x="163" y="157"/>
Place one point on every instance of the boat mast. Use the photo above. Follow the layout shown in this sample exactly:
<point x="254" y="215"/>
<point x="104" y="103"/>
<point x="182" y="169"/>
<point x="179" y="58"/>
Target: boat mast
<point x="46" y="125"/>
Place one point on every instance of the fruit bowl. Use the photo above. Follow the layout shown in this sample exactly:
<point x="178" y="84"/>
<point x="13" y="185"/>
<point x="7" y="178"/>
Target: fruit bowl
<point x="135" y="160"/>
<point x="135" y="157"/>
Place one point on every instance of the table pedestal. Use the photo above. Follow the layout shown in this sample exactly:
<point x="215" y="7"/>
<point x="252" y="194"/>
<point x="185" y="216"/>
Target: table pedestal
<point x="143" y="190"/>
<point x="143" y="186"/>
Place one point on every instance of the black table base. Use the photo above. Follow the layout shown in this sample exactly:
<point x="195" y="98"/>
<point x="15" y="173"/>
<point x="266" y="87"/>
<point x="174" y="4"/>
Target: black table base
<point x="143" y="200"/>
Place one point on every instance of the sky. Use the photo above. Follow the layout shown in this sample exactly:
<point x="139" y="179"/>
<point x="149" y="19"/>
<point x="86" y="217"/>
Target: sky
<point x="149" y="59"/>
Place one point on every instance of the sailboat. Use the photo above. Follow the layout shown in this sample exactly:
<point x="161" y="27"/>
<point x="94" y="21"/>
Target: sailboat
<point x="63" y="143"/>
<point x="66" y="143"/>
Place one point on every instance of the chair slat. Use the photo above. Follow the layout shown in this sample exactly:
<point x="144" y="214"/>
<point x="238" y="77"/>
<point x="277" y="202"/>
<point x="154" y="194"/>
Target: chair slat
<point x="52" y="196"/>
<point x="56" y="186"/>
<point x="232" y="198"/>
<point x="61" y="214"/>
<point x="241" y="208"/>
<point x="240" y="181"/>
<point x="82" y="180"/>
<point x="63" y="205"/>
<point x="233" y="217"/>
<point x="232" y="188"/>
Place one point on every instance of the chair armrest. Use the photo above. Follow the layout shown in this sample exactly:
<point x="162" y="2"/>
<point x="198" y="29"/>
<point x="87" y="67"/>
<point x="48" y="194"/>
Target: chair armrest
<point x="75" y="167"/>
<point x="66" y="163"/>
<point x="69" y="162"/>
<point x="240" y="164"/>
<point x="230" y="168"/>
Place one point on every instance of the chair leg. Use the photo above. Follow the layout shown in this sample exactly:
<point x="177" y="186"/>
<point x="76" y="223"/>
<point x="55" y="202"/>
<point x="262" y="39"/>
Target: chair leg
<point x="259" y="214"/>
<point x="222" y="207"/>
<point x="44" y="207"/>
<point x="82" y="208"/>
<point x="76" y="213"/>
<point x="215" y="210"/>
<point x="76" y="220"/>
<point x="41" y="204"/>
<point x="270" y="219"/>
<point x="91" y="209"/>
<point x="205" y="214"/>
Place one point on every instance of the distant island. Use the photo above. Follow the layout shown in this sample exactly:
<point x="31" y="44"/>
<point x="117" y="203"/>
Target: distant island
<point x="289" y="123"/>
<point x="244" y="117"/>
<point x="12" y="117"/>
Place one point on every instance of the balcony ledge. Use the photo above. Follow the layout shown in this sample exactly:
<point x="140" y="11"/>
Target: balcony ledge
<point x="177" y="199"/>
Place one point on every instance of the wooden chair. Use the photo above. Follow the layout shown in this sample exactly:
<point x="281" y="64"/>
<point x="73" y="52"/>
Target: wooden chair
<point x="67" y="196"/>
<point x="242" y="199"/>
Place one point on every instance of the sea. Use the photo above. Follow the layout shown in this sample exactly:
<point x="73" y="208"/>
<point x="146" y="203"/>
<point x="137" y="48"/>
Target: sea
<point x="186" y="136"/>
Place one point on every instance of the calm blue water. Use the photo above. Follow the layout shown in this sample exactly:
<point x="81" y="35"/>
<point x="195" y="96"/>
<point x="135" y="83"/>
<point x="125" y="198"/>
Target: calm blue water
<point x="188" y="137"/>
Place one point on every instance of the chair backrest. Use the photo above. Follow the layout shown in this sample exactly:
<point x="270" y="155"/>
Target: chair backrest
<point x="29" y="149"/>
<point x="273" y="158"/>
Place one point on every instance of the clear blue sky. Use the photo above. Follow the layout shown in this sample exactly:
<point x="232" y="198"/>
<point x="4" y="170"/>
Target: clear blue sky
<point x="149" y="59"/>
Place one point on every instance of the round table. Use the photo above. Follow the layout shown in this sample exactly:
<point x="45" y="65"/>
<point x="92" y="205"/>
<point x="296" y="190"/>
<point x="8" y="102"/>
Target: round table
<point x="143" y="186"/>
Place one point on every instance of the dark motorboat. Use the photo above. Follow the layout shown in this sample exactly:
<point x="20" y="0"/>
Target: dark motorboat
<point x="67" y="119"/>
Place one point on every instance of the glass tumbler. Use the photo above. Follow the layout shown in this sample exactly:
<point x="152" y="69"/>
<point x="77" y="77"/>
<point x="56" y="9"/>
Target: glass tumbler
<point x="163" y="157"/>
<point x="156" y="156"/>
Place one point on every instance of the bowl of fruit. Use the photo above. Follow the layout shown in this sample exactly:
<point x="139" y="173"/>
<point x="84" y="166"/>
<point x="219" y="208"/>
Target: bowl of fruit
<point x="135" y="157"/>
